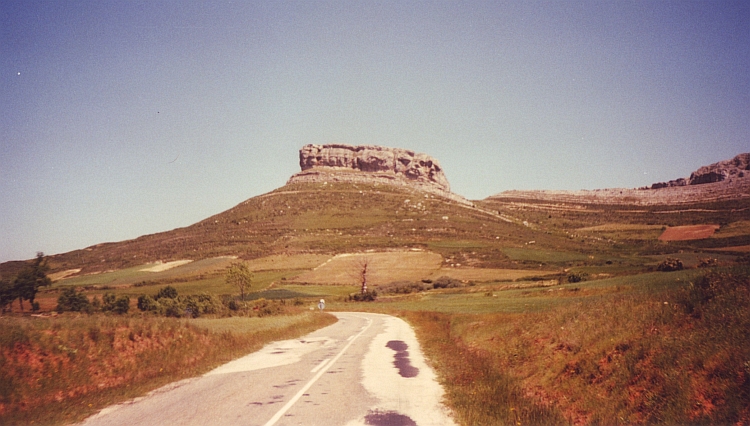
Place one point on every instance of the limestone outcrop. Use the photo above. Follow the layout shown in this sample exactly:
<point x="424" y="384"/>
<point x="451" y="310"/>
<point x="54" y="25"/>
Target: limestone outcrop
<point x="737" y="167"/>
<point x="369" y="163"/>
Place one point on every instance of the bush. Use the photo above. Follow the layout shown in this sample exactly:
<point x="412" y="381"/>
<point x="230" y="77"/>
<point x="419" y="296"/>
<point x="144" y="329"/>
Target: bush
<point x="167" y="292"/>
<point x="576" y="277"/>
<point x="147" y="303"/>
<point x="670" y="264"/>
<point x="446" y="282"/>
<point x="201" y="304"/>
<point x="171" y="307"/>
<point x="118" y="305"/>
<point x="402" y="287"/>
<point x="73" y="301"/>
<point x="368" y="296"/>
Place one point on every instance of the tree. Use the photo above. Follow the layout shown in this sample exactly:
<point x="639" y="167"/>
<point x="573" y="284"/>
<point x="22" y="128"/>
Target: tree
<point x="7" y="294"/>
<point x="364" y="269"/>
<point x="239" y="276"/>
<point x="71" y="300"/>
<point x="28" y="281"/>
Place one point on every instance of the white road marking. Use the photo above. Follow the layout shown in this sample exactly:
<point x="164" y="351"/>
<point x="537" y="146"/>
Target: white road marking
<point x="315" y="378"/>
<point x="319" y="366"/>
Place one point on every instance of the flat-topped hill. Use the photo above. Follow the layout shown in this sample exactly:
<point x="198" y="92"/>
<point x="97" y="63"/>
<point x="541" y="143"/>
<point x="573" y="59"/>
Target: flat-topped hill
<point x="373" y="164"/>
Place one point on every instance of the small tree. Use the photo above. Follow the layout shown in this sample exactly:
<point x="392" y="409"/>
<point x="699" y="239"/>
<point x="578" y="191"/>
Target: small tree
<point x="239" y="276"/>
<point x="71" y="300"/>
<point x="7" y="294"/>
<point x="364" y="269"/>
<point x="28" y="281"/>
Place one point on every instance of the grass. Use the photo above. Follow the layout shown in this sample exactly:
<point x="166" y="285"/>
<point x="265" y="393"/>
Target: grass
<point x="543" y="256"/>
<point x="60" y="370"/>
<point x="652" y="348"/>
<point x="386" y="267"/>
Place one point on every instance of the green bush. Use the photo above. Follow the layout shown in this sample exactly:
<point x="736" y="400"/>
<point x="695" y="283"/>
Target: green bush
<point x="402" y="287"/>
<point x="119" y="305"/>
<point x="446" y="282"/>
<point x="368" y="296"/>
<point x="147" y="303"/>
<point x="73" y="301"/>
<point x="167" y="292"/>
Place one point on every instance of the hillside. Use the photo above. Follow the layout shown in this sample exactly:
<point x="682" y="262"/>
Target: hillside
<point x="535" y="307"/>
<point x="329" y="212"/>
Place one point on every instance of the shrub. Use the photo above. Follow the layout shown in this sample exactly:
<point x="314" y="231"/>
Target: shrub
<point x="670" y="264"/>
<point x="71" y="300"/>
<point x="402" y="287"/>
<point x="167" y="292"/>
<point x="446" y="282"/>
<point x="147" y="303"/>
<point x="171" y="307"/>
<point x="368" y="296"/>
<point x="576" y="277"/>
<point x="118" y="305"/>
<point x="201" y="304"/>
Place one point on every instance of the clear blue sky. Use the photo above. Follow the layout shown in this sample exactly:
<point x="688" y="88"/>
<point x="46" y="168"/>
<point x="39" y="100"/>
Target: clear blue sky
<point x="123" y="118"/>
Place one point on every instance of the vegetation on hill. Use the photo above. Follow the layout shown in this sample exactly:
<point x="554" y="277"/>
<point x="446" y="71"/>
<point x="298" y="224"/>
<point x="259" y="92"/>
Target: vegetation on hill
<point x="532" y="311"/>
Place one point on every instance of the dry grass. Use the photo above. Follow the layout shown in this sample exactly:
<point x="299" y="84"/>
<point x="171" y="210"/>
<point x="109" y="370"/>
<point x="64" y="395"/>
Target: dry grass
<point x="285" y="261"/>
<point x="484" y="275"/>
<point x="60" y="370"/>
<point x="386" y="267"/>
<point x="648" y="352"/>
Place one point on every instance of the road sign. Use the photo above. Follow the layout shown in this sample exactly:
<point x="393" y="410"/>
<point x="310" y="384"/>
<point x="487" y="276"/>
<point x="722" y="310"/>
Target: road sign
<point x="321" y="305"/>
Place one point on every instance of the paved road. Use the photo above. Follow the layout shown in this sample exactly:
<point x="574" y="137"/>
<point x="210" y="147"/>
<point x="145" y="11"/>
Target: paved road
<point x="367" y="369"/>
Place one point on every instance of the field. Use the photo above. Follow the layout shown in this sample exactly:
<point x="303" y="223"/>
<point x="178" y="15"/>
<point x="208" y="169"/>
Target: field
<point x="688" y="232"/>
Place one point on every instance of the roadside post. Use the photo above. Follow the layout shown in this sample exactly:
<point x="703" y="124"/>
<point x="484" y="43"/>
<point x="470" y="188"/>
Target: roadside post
<point x="321" y="305"/>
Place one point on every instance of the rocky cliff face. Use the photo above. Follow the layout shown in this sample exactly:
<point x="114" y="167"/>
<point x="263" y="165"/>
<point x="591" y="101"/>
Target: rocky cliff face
<point x="737" y="167"/>
<point x="723" y="181"/>
<point x="368" y="163"/>
<point x="373" y="159"/>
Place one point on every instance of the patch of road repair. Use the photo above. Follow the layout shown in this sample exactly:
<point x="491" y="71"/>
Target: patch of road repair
<point x="273" y="355"/>
<point x="388" y="418"/>
<point x="405" y="386"/>
<point x="401" y="359"/>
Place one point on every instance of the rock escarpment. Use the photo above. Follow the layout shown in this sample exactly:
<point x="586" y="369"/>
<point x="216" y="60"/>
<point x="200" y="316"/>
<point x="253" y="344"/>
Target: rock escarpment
<point x="723" y="181"/>
<point x="736" y="168"/>
<point x="372" y="164"/>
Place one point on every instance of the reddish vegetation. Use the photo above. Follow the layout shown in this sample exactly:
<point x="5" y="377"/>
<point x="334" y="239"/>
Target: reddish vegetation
<point x="689" y="232"/>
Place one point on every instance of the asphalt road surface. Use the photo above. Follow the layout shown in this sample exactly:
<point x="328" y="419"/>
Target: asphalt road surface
<point x="367" y="369"/>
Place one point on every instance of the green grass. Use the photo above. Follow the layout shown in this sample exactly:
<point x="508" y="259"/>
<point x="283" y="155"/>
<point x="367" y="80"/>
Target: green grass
<point x="543" y="256"/>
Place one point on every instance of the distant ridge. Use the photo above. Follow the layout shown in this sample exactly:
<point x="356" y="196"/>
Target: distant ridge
<point x="723" y="181"/>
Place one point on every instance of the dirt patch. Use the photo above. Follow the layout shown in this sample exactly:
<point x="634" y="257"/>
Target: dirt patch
<point x="63" y="274"/>
<point x="689" y="232"/>
<point x="161" y="267"/>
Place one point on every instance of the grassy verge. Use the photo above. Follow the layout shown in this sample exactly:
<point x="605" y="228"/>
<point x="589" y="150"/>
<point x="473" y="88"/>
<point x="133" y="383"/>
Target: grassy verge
<point x="60" y="370"/>
<point x="667" y="348"/>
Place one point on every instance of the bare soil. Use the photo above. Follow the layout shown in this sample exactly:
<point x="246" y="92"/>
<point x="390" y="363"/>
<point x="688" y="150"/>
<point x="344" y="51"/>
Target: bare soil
<point x="688" y="232"/>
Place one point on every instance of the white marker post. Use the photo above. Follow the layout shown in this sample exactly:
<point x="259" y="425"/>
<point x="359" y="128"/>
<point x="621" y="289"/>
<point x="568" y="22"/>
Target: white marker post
<point x="321" y="305"/>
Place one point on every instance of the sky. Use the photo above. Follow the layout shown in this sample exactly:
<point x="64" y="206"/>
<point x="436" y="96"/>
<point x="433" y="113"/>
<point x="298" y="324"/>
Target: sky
<point x="125" y="118"/>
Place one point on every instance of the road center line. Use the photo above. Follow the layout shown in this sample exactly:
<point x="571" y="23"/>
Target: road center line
<point x="319" y="366"/>
<point x="315" y="378"/>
